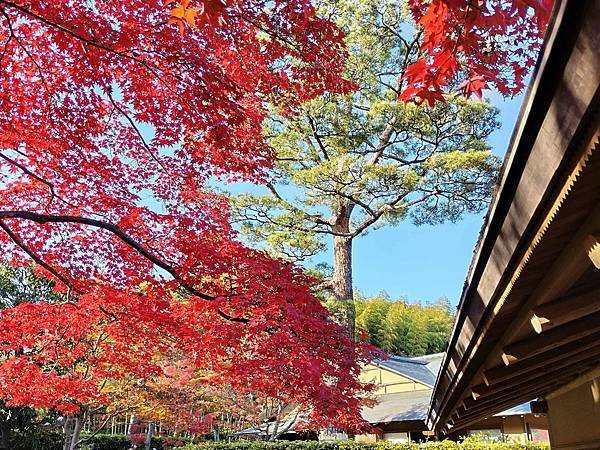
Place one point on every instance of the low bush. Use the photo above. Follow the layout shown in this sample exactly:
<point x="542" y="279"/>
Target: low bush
<point x="117" y="442"/>
<point x="468" y="444"/>
<point x="106" y="442"/>
<point x="50" y="440"/>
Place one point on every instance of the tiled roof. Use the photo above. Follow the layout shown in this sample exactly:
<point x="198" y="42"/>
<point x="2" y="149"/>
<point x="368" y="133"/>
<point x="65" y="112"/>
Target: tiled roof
<point x="423" y="369"/>
<point x="398" y="407"/>
<point x="413" y="405"/>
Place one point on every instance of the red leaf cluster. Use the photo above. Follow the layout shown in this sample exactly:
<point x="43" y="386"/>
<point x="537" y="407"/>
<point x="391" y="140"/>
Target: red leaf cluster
<point x="484" y="43"/>
<point x="112" y="126"/>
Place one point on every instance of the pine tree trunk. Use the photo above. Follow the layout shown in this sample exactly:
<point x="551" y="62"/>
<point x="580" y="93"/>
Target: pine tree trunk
<point x="341" y="280"/>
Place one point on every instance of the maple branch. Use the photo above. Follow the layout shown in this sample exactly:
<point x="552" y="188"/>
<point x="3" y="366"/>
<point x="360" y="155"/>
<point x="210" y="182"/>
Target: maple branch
<point x="226" y="316"/>
<point x="13" y="35"/>
<point x="112" y="228"/>
<point x="87" y="40"/>
<point x="102" y="425"/>
<point x="36" y="177"/>
<point x="139" y="133"/>
<point x="34" y="256"/>
<point x="6" y="44"/>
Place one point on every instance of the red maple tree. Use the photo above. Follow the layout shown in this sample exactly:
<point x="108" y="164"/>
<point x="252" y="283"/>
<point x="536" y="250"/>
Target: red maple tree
<point x="471" y="45"/>
<point x="114" y="118"/>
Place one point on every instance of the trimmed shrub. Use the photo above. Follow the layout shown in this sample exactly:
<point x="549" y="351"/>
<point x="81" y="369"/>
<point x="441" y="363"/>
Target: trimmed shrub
<point x="106" y="442"/>
<point x="469" y="444"/>
<point x="50" y="440"/>
<point x="118" y="442"/>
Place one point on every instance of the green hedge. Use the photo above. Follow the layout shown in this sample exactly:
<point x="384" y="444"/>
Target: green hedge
<point x="469" y="444"/>
<point x="51" y="440"/>
<point x="116" y="442"/>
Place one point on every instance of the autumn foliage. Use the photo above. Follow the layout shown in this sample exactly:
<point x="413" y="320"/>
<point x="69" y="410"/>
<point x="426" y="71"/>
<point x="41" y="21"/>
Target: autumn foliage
<point x="473" y="45"/>
<point x="114" y="117"/>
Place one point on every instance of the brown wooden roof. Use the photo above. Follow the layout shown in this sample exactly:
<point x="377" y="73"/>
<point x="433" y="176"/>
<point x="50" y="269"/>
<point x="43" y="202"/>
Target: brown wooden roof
<point x="529" y="316"/>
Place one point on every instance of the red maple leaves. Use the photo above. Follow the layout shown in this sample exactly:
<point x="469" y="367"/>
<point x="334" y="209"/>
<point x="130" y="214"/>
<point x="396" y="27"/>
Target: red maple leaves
<point x="209" y="11"/>
<point x="112" y="128"/>
<point x="485" y="43"/>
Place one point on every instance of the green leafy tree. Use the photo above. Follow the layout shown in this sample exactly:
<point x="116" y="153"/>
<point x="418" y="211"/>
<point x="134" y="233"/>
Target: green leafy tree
<point x="370" y="317"/>
<point x="347" y="164"/>
<point x="21" y="284"/>
<point x="402" y="328"/>
<point x="440" y="321"/>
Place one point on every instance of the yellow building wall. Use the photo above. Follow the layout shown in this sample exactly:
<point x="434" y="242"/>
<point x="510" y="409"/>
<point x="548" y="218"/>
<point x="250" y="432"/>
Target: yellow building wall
<point x="514" y="429"/>
<point x="366" y="438"/>
<point x="389" y="382"/>
<point x="574" y="417"/>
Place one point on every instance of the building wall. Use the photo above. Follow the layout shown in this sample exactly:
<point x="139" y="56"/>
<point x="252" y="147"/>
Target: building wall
<point x="369" y="438"/>
<point x="574" y="417"/>
<point x="398" y="438"/>
<point x="517" y="428"/>
<point x="514" y="428"/>
<point x="389" y="382"/>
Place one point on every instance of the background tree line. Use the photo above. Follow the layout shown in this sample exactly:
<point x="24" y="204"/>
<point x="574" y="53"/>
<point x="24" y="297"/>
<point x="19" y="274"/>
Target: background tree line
<point x="403" y="328"/>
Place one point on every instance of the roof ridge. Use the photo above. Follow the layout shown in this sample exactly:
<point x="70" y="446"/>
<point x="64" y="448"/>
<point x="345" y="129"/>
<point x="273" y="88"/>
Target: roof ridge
<point x="409" y="359"/>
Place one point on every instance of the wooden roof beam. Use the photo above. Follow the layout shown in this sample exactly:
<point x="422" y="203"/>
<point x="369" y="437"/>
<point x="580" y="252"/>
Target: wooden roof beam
<point x="594" y="249"/>
<point x="493" y="393"/>
<point x="497" y="405"/>
<point x="551" y="339"/>
<point x="515" y="371"/>
<point x="564" y="272"/>
<point x="476" y="416"/>
<point x="565" y="309"/>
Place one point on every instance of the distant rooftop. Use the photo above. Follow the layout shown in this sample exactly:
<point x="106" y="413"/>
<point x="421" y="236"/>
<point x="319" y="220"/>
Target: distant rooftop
<point x="413" y="405"/>
<point x="399" y="407"/>
<point x="423" y="369"/>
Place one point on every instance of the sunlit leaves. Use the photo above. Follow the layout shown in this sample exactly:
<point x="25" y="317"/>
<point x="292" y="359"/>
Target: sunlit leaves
<point x="488" y="44"/>
<point x="123" y="113"/>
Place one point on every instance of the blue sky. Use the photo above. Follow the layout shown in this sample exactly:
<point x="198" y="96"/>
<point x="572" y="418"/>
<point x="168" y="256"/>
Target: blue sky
<point x="427" y="262"/>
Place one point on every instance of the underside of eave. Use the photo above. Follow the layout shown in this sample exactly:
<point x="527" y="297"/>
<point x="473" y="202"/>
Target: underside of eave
<point x="543" y="369"/>
<point x="458" y="369"/>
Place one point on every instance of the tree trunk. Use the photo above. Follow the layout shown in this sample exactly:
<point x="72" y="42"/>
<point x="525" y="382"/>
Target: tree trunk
<point x="5" y="430"/>
<point x="76" y="432"/>
<point x="149" y="434"/>
<point x="132" y="421"/>
<point x="67" y="429"/>
<point x="341" y="281"/>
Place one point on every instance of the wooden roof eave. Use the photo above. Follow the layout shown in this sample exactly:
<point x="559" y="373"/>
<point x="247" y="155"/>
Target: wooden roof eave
<point x="483" y="298"/>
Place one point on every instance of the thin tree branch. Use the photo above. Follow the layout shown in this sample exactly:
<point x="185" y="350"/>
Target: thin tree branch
<point x="35" y="257"/>
<point x="115" y="230"/>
